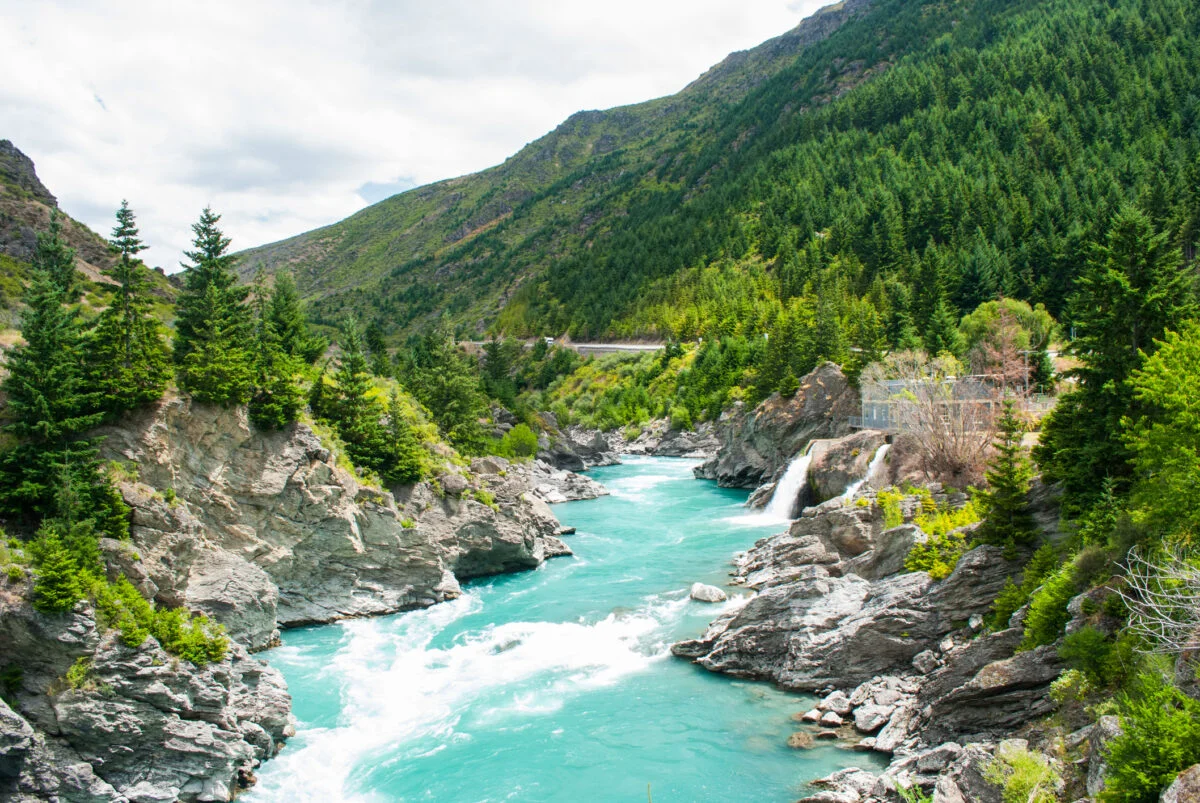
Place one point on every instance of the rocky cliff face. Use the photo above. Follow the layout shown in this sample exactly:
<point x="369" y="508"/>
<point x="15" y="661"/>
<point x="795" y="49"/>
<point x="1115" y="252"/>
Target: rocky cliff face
<point x="260" y="531"/>
<point x="756" y="445"/>
<point x="25" y="206"/>
<point x="138" y="725"/>
<point x="265" y="530"/>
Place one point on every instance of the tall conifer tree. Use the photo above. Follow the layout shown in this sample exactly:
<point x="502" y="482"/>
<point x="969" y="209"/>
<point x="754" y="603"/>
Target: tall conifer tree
<point x="57" y="259"/>
<point x="50" y="409"/>
<point x="277" y="398"/>
<point x="1135" y="288"/>
<point x="1009" y="522"/>
<point x="287" y="316"/>
<point x="127" y="351"/>
<point x="212" y="325"/>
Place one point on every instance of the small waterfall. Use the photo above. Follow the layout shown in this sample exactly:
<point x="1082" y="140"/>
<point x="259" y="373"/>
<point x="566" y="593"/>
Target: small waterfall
<point x="872" y="467"/>
<point x="789" y="486"/>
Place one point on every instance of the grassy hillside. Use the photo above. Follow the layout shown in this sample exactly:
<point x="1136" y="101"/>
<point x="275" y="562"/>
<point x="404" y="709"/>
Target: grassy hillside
<point x="900" y="167"/>
<point x="25" y="208"/>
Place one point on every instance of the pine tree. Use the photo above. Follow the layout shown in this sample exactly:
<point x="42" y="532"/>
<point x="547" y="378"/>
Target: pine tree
<point x="127" y="352"/>
<point x="291" y="326"/>
<point x="1041" y="376"/>
<point x="49" y="406"/>
<point x="942" y="335"/>
<point x="56" y="585"/>
<point x="1009" y="522"/>
<point x="443" y="380"/>
<point x="277" y="397"/>
<point x="57" y="259"/>
<point x="212" y="324"/>
<point x="377" y="347"/>
<point x="1136" y="287"/>
<point x="404" y="460"/>
<point x="217" y="369"/>
<point x="356" y="414"/>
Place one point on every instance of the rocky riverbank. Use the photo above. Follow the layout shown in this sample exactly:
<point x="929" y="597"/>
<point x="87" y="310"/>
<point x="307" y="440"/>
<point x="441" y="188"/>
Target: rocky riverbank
<point x="259" y="531"/>
<point x="904" y="662"/>
<point x="576" y="448"/>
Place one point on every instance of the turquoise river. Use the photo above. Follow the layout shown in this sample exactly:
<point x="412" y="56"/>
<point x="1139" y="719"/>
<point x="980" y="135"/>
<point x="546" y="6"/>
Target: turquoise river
<point x="556" y="684"/>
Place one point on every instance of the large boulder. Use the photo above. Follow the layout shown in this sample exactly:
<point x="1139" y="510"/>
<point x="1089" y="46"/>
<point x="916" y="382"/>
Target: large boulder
<point x="756" y="445"/>
<point x="1185" y="788"/>
<point x="841" y="631"/>
<point x="158" y="728"/>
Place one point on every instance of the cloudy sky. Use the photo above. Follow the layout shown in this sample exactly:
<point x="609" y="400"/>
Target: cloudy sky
<point x="286" y="115"/>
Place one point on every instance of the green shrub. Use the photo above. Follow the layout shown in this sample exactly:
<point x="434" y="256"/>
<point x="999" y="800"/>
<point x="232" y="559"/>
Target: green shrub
<point x="56" y="586"/>
<point x="890" y="501"/>
<point x="946" y="543"/>
<point x="79" y="675"/>
<point x="942" y="521"/>
<point x="1009" y="601"/>
<point x="1013" y="596"/>
<point x="486" y="497"/>
<point x="1048" y="609"/>
<point x="938" y="555"/>
<point x="193" y="638"/>
<point x="912" y="794"/>
<point x="520" y="442"/>
<point x="15" y="573"/>
<point x="1087" y="650"/>
<point x="1160" y="736"/>
<point x="1024" y="777"/>
<point x="681" y="419"/>
<point x="1071" y="686"/>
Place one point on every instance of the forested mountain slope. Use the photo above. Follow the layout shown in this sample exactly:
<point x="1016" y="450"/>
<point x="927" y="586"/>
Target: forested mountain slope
<point x="918" y="159"/>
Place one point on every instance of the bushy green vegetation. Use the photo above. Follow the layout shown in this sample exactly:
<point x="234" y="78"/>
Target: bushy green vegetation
<point x="1160" y="735"/>
<point x="943" y="525"/>
<point x="1024" y="776"/>
<point x="1013" y="597"/>
<point x="193" y="638"/>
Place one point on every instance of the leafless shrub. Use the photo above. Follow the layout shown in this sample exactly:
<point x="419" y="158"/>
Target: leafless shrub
<point x="952" y="417"/>
<point x="1163" y="597"/>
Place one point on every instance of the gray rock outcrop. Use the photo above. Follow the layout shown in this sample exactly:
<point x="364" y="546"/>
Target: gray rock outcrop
<point x="136" y="724"/>
<point x="1186" y="787"/>
<point x="815" y="632"/>
<point x="17" y="170"/>
<point x="262" y="530"/>
<point x="756" y="445"/>
<point x="841" y="463"/>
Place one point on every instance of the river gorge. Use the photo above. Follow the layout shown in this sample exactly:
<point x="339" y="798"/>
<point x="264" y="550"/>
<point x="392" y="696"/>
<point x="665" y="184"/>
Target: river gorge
<point x="556" y="683"/>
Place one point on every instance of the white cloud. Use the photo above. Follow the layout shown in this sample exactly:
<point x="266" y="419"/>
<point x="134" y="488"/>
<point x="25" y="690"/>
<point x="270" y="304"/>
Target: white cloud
<point x="288" y="115"/>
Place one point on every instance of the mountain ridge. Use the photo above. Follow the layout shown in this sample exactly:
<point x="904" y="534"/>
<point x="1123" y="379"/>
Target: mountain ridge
<point x="584" y="137"/>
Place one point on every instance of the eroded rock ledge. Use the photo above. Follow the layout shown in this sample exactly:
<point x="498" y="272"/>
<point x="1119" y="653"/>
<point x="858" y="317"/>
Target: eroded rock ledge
<point x="266" y="530"/>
